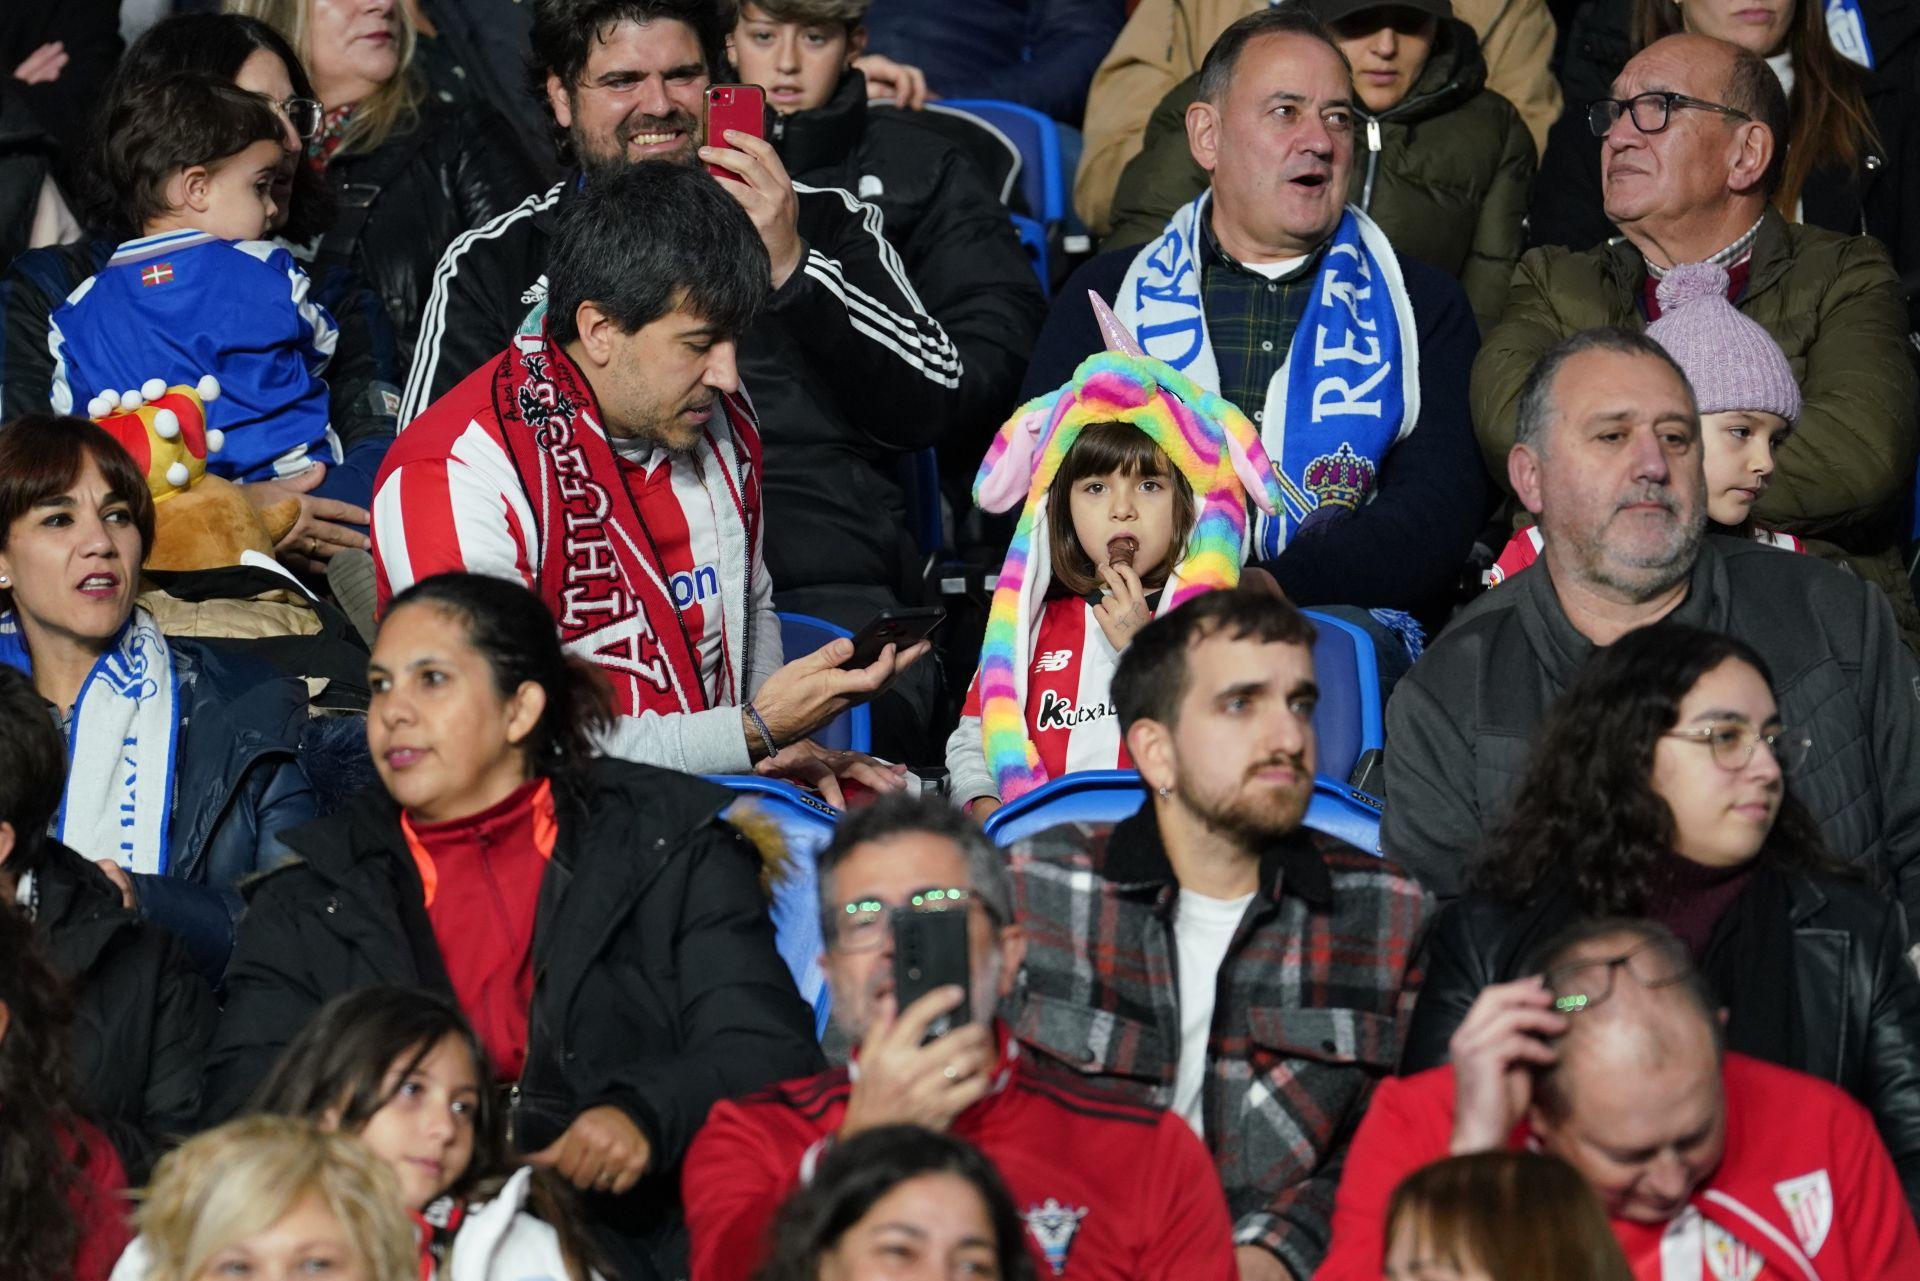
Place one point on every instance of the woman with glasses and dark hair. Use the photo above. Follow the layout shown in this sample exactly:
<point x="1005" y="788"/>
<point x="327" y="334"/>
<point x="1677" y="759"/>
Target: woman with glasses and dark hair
<point x="598" y="922"/>
<point x="900" y="1201"/>
<point x="408" y="172"/>
<point x="1659" y="785"/>
<point x="1852" y="153"/>
<point x="365" y="368"/>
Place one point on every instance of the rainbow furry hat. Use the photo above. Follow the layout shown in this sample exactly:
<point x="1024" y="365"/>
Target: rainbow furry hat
<point x="1209" y="441"/>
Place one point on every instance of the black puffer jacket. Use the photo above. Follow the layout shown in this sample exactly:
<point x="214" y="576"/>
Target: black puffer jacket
<point x="656" y="985"/>
<point x="402" y="204"/>
<point x="1444" y="171"/>
<point x="142" y="1014"/>
<point x="1858" y="997"/>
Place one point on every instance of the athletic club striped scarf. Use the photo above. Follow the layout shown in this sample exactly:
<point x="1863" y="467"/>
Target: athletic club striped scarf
<point x="1211" y="444"/>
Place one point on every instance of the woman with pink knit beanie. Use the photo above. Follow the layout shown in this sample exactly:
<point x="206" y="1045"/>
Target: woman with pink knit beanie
<point x="1747" y="395"/>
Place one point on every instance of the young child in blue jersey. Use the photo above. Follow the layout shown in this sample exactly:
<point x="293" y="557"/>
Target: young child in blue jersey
<point x="191" y="162"/>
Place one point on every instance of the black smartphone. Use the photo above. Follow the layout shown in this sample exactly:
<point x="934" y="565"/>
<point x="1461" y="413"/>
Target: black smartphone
<point x="898" y="627"/>
<point x="930" y="951"/>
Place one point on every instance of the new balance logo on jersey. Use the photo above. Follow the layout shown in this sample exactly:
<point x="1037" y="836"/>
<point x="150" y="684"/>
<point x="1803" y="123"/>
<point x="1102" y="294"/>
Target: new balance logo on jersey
<point x="1060" y="713"/>
<point x="1054" y="660"/>
<point x="700" y="584"/>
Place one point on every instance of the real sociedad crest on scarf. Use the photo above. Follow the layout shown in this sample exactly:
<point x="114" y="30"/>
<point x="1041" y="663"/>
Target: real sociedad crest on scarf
<point x="1349" y="388"/>
<point x="1054" y="1226"/>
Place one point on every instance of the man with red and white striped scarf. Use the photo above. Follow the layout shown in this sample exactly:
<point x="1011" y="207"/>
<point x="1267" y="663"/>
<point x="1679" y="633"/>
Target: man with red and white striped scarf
<point x="610" y="462"/>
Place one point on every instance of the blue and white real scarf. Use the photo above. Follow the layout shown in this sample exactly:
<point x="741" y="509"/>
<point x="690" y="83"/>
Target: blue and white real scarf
<point x="1349" y="388"/>
<point x="120" y="754"/>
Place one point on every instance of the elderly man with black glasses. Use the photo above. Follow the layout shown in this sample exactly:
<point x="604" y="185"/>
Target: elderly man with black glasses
<point x="1110" y="1190"/>
<point x="1692" y="151"/>
<point x="1610" y="1056"/>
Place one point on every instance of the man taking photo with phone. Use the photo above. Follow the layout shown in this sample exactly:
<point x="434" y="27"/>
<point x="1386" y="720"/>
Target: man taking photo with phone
<point x="845" y="367"/>
<point x="609" y="462"/>
<point x="1110" y="1191"/>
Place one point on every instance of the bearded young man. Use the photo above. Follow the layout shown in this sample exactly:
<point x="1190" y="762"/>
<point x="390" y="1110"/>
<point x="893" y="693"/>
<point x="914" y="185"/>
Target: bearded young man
<point x="1210" y="955"/>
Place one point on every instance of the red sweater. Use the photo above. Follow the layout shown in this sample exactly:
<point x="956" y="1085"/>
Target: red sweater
<point x="482" y="879"/>
<point x="98" y="1198"/>
<point x="1804" y="1192"/>
<point x="1110" y="1191"/>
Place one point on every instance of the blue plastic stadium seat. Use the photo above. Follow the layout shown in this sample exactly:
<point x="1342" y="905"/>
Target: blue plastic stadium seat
<point x="919" y="477"/>
<point x="852" y="730"/>
<point x="1109" y="795"/>
<point x="1043" y="176"/>
<point x="1349" y="722"/>
<point x="806" y="823"/>
<point x="1033" y="239"/>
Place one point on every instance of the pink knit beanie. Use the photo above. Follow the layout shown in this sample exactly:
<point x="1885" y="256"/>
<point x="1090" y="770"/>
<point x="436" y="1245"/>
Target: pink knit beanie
<point x="1731" y="361"/>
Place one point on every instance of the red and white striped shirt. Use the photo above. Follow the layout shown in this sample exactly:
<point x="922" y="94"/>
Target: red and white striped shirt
<point x="449" y="498"/>
<point x="1070" y="714"/>
<point x="1525" y="546"/>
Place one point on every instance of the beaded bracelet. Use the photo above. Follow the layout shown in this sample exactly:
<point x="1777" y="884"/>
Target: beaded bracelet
<point x="760" y="727"/>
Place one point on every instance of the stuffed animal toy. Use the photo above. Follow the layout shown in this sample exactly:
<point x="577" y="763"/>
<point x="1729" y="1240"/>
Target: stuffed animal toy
<point x="200" y="520"/>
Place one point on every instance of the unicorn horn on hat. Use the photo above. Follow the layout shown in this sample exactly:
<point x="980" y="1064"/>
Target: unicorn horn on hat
<point x="1112" y="332"/>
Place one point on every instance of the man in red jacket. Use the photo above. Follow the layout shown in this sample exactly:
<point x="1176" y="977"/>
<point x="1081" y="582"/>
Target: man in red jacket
<point x="1109" y="1190"/>
<point x="1710" y="1165"/>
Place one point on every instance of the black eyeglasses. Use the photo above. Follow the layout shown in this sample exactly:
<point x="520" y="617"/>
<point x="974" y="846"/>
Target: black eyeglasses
<point x="1651" y="112"/>
<point x="1581" y="985"/>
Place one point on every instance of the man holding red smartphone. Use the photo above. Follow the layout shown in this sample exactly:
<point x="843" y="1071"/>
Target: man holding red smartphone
<point x="844" y="351"/>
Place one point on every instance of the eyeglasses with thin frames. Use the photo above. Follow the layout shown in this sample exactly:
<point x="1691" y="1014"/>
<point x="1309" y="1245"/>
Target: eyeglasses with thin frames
<point x="1650" y="112"/>
<point x="864" y="924"/>
<point x="1734" y="742"/>
<point x="1581" y="985"/>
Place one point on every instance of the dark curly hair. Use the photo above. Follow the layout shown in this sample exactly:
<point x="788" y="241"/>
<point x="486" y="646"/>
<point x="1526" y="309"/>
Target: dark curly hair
<point x="856" y="1174"/>
<point x="1586" y="813"/>
<point x="38" y="1232"/>
<point x="517" y="636"/>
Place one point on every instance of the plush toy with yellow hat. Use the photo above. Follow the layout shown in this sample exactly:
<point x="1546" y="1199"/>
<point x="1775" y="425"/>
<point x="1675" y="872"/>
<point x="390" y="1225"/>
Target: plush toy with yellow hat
<point x="199" y="520"/>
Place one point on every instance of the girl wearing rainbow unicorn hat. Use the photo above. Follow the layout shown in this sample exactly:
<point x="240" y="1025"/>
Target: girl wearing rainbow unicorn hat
<point x="1136" y="482"/>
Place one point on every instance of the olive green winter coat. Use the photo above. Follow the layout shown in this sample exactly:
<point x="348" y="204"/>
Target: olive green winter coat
<point x="1445" y="172"/>
<point x="1833" y="304"/>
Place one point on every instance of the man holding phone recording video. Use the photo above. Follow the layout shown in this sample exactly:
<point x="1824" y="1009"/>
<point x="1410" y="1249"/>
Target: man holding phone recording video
<point x="1109" y="1190"/>
<point x="1708" y="1163"/>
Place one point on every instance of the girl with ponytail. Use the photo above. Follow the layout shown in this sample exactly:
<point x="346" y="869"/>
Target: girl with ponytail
<point x="598" y="923"/>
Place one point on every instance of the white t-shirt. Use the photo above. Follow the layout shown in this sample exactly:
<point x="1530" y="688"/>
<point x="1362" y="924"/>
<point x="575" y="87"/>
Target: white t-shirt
<point x="1202" y="929"/>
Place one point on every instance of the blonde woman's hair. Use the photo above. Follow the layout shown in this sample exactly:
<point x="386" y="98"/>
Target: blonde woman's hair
<point x="392" y="108"/>
<point x="232" y="1182"/>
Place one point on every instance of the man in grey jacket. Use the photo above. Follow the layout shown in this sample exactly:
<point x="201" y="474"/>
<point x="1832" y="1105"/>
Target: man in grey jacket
<point x="1607" y="457"/>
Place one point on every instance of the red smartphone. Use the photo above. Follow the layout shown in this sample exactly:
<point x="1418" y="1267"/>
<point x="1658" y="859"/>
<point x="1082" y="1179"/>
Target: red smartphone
<point x="742" y="108"/>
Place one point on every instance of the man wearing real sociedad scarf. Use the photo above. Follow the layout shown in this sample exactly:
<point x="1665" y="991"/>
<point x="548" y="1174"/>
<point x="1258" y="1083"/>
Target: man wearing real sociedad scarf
<point x="1352" y="360"/>
<point x="611" y="463"/>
